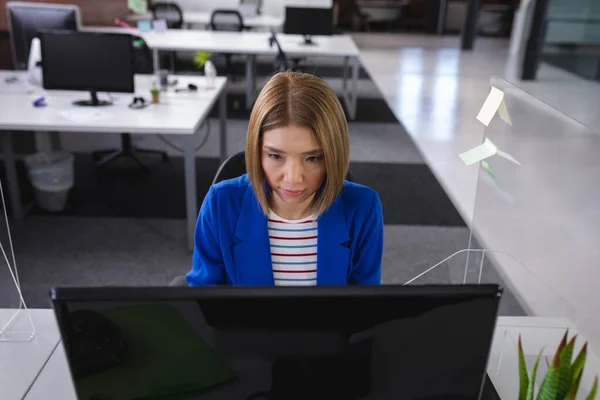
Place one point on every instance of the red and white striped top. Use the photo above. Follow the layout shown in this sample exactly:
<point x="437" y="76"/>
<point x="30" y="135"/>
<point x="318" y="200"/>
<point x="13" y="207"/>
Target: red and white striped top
<point x="293" y="250"/>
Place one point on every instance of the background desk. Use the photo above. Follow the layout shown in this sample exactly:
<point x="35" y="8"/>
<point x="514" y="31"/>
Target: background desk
<point x="177" y="114"/>
<point x="252" y="44"/>
<point x="191" y="18"/>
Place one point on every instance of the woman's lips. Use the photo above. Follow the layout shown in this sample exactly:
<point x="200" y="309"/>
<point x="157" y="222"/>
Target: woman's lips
<point x="292" y="193"/>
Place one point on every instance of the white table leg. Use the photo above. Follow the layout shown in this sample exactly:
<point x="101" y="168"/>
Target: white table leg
<point x="223" y="124"/>
<point x="345" y="75"/>
<point x="156" y="65"/>
<point x="11" y="175"/>
<point x="250" y="79"/>
<point x="191" y="198"/>
<point x="350" y="97"/>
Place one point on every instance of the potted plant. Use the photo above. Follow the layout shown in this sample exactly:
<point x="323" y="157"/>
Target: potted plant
<point x="155" y="95"/>
<point x="202" y="60"/>
<point x="562" y="379"/>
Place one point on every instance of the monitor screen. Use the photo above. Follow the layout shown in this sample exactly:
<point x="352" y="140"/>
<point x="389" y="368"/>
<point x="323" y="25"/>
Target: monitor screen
<point x="360" y="342"/>
<point x="26" y="20"/>
<point x="308" y="21"/>
<point x="96" y="62"/>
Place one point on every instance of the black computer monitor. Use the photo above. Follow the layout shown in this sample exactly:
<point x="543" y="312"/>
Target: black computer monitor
<point x="308" y="21"/>
<point x="350" y="342"/>
<point x="25" y="20"/>
<point x="95" y="62"/>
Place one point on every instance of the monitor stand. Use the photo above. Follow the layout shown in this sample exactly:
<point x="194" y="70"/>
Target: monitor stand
<point x="308" y="41"/>
<point x="94" y="102"/>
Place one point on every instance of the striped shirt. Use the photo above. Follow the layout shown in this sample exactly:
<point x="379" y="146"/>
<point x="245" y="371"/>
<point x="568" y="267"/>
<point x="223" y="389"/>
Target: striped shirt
<point x="293" y="250"/>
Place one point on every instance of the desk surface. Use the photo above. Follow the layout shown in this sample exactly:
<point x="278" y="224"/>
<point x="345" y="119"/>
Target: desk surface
<point x="177" y="113"/>
<point x="55" y="377"/>
<point x="21" y="362"/>
<point x="239" y="42"/>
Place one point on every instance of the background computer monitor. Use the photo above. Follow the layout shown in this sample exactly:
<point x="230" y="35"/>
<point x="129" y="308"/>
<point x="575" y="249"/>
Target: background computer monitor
<point x="308" y="21"/>
<point x="95" y="62"/>
<point x="347" y="342"/>
<point x="25" y="20"/>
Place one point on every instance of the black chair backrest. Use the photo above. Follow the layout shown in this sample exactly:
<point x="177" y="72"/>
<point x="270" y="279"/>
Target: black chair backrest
<point x="231" y="168"/>
<point x="235" y="166"/>
<point x="281" y="62"/>
<point x="226" y="20"/>
<point x="142" y="57"/>
<point x="170" y="12"/>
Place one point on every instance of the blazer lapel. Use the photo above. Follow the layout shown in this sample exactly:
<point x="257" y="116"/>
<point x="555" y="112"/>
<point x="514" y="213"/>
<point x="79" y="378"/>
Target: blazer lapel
<point x="333" y="247"/>
<point x="252" y="252"/>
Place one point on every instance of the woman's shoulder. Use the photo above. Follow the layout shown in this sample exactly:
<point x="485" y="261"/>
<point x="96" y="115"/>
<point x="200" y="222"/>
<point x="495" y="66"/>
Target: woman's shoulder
<point x="231" y="187"/>
<point x="356" y="194"/>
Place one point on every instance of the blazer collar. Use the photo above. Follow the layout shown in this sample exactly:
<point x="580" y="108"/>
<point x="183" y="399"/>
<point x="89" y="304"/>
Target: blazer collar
<point x="252" y="253"/>
<point x="333" y="246"/>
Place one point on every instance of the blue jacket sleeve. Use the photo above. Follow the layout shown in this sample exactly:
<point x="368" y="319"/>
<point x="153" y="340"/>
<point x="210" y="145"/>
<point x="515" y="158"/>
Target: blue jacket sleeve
<point x="207" y="262"/>
<point x="369" y="247"/>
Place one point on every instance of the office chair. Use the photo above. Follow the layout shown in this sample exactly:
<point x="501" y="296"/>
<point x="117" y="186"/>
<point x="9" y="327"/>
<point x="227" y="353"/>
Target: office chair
<point x="230" y="21"/>
<point x="172" y="14"/>
<point x="25" y="20"/>
<point x="142" y="60"/>
<point x="281" y="62"/>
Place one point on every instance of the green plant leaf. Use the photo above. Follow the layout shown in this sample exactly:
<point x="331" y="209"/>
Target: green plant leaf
<point x="549" y="386"/>
<point x="200" y="58"/>
<point x="531" y="386"/>
<point x="523" y="378"/>
<point x="566" y="356"/>
<point x="594" y="390"/>
<point x="579" y="362"/>
<point x="574" y="387"/>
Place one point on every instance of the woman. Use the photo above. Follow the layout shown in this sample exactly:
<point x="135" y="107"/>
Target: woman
<point x="293" y="219"/>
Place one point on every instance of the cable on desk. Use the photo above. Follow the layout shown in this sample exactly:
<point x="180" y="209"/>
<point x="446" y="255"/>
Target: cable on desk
<point x="202" y="143"/>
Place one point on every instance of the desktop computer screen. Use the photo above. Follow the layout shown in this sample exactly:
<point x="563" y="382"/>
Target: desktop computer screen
<point x="276" y="343"/>
<point x="308" y="21"/>
<point x="25" y="20"/>
<point x="94" y="62"/>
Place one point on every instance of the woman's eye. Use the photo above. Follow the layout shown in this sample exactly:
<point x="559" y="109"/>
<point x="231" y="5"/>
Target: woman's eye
<point x="314" y="159"/>
<point x="274" y="156"/>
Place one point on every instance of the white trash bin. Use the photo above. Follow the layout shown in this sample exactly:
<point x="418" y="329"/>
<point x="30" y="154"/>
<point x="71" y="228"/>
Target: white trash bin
<point x="51" y="175"/>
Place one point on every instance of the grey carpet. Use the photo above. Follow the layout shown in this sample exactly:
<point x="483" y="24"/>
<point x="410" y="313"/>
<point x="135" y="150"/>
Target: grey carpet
<point x="83" y="251"/>
<point x="409" y="193"/>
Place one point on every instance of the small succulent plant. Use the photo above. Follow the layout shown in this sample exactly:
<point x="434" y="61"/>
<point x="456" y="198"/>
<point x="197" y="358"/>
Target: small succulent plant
<point x="562" y="379"/>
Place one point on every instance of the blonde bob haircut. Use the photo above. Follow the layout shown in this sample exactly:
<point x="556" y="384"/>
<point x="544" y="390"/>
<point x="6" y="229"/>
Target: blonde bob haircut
<point x="298" y="99"/>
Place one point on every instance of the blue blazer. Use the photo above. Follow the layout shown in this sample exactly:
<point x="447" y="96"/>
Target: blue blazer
<point x="232" y="240"/>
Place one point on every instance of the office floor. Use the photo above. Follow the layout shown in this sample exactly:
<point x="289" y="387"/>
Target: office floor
<point x="113" y="246"/>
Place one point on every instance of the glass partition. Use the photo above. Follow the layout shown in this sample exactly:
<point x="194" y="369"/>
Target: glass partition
<point x="16" y="323"/>
<point x="535" y="230"/>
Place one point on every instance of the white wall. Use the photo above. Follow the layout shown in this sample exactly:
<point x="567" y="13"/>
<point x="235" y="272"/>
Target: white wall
<point x="270" y="7"/>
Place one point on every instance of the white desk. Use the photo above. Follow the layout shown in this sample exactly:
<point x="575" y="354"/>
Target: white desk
<point x="21" y="362"/>
<point x="54" y="382"/>
<point x="191" y="18"/>
<point x="177" y="114"/>
<point x="252" y="44"/>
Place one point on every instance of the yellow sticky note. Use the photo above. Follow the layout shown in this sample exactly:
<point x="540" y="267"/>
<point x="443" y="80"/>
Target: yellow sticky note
<point x="503" y="113"/>
<point x="490" y="106"/>
<point x="138" y="6"/>
<point x="479" y="153"/>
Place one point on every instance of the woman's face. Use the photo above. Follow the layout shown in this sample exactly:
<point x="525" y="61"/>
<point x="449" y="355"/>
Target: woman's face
<point x="293" y="164"/>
